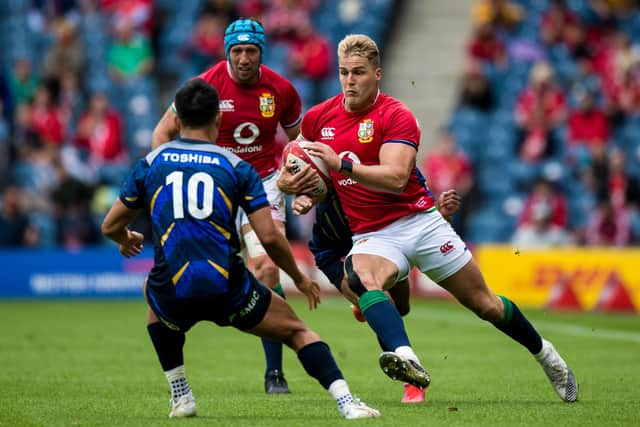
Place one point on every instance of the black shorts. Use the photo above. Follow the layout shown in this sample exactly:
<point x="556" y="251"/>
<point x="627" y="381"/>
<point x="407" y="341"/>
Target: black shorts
<point x="332" y="265"/>
<point x="182" y="313"/>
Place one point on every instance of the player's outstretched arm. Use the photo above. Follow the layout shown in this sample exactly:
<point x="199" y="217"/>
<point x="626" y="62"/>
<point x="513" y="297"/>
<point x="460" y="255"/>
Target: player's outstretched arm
<point x="166" y="129"/>
<point x="115" y="227"/>
<point x="279" y="251"/>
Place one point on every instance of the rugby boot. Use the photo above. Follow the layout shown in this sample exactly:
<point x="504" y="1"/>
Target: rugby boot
<point x="412" y="394"/>
<point x="358" y="314"/>
<point x="401" y="369"/>
<point x="274" y="383"/>
<point x="358" y="409"/>
<point x="184" y="406"/>
<point x="558" y="372"/>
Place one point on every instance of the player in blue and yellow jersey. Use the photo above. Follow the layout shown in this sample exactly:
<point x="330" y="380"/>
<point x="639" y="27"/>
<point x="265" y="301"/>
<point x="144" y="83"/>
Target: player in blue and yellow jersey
<point x="255" y="101"/>
<point x="192" y="189"/>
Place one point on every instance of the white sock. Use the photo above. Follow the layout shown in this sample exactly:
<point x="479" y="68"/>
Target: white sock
<point x="407" y="352"/>
<point x="339" y="390"/>
<point x="177" y="382"/>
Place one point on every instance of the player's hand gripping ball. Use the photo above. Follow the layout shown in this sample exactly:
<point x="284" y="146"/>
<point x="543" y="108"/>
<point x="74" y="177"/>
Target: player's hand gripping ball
<point x="297" y="156"/>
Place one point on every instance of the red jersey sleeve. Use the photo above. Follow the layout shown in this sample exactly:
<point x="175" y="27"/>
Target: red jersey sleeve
<point x="307" y="127"/>
<point x="293" y="111"/>
<point x="401" y="126"/>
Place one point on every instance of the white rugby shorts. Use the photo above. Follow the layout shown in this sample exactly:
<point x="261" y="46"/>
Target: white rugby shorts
<point x="424" y="240"/>
<point x="278" y="213"/>
<point x="276" y="200"/>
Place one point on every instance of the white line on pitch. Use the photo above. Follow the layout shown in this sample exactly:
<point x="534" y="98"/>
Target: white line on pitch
<point x="434" y="313"/>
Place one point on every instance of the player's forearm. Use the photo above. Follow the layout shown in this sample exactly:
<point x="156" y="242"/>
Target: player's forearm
<point x="115" y="229"/>
<point x="116" y="222"/>
<point x="120" y="236"/>
<point x="165" y="130"/>
<point x="161" y="136"/>
<point x="379" y="177"/>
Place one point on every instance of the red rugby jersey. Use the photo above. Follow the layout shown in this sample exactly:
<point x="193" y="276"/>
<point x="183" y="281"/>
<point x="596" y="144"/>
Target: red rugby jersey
<point x="251" y="113"/>
<point x="359" y="137"/>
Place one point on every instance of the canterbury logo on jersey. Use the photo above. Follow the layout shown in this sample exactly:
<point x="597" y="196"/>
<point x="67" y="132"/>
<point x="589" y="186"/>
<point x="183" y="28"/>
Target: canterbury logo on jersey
<point x="227" y="105"/>
<point x="328" y="133"/>
<point x="421" y="203"/>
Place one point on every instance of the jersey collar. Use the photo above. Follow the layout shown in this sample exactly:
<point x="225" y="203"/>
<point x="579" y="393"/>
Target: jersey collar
<point x="193" y="141"/>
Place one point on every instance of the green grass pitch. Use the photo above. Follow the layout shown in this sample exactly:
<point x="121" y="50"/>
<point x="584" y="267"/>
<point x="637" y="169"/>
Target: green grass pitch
<point x="86" y="363"/>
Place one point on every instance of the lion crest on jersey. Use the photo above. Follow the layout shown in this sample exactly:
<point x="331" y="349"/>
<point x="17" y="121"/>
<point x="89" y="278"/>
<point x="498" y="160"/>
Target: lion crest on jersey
<point x="365" y="131"/>
<point x="267" y="105"/>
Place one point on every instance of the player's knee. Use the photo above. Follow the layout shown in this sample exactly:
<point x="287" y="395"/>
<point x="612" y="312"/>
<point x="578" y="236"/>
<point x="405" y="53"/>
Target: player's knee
<point x="266" y="271"/>
<point x="489" y="310"/>
<point x="353" y="280"/>
<point x="301" y="337"/>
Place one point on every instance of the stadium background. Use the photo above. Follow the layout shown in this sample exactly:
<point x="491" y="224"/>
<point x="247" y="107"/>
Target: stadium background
<point x="84" y="82"/>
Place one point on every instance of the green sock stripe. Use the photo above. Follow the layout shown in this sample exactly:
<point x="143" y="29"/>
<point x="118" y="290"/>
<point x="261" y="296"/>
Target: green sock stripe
<point x="278" y="290"/>
<point x="508" y="309"/>
<point x="371" y="298"/>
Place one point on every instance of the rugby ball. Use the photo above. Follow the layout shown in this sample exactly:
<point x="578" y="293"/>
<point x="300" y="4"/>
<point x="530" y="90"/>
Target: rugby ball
<point x="295" y="154"/>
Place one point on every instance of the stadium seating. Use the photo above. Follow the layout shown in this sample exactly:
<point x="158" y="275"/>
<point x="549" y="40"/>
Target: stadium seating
<point x="490" y="140"/>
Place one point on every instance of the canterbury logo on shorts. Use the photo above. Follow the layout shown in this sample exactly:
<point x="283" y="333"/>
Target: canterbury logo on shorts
<point x="446" y="248"/>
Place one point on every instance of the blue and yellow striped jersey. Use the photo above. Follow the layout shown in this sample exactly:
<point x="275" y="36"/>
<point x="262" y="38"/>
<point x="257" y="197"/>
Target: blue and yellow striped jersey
<point x="192" y="190"/>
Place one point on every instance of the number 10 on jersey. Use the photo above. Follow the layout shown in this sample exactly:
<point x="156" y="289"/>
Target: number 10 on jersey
<point x="199" y="209"/>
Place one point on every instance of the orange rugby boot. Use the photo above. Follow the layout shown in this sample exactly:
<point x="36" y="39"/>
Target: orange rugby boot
<point x="412" y="394"/>
<point x="358" y="314"/>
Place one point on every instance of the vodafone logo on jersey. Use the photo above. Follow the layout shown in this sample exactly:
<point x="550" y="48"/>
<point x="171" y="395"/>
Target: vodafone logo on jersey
<point x="245" y="133"/>
<point x="328" y="133"/>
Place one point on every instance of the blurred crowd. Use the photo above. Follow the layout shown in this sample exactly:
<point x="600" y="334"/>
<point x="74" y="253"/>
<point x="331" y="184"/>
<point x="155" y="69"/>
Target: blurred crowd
<point x="545" y="139"/>
<point x="81" y="85"/>
<point x="543" y="145"/>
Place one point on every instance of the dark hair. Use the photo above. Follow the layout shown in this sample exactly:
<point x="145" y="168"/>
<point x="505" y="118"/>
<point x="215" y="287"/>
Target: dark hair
<point x="196" y="103"/>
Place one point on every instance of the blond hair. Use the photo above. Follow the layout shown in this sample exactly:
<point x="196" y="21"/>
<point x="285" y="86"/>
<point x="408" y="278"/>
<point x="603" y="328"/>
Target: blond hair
<point x="360" y="45"/>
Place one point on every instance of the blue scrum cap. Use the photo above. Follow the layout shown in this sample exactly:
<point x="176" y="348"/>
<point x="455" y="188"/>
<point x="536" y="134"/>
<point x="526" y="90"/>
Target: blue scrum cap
<point x="244" y="31"/>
